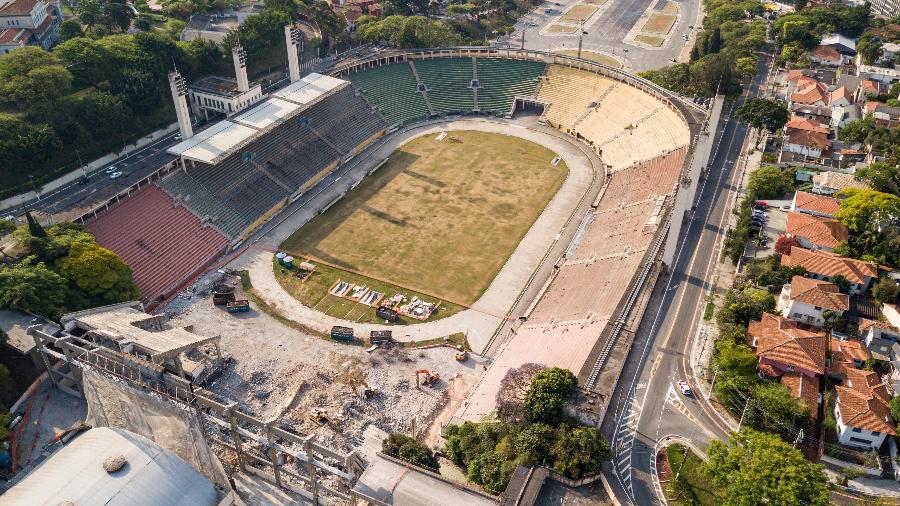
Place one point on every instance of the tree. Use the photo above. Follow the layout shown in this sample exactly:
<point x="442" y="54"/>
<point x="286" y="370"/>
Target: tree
<point x="90" y="12"/>
<point x="769" y="182"/>
<point x="895" y="407"/>
<point x="858" y="130"/>
<point x="773" y="407"/>
<point x="872" y="218"/>
<point x="869" y="48"/>
<point x="29" y="76"/>
<point x="33" y="287"/>
<point x="763" y="112"/>
<point x="886" y="291"/>
<point x="99" y="273"/>
<point x="510" y="397"/>
<point x="408" y="449"/>
<point x="579" y="452"/>
<point x="69" y="29"/>
<point x="34" y="228"/>
<point x="881" y="176"/>
<point x="759" y="468"/>
<point x="715" y="41"/>
<point x="491" y="471"/>
<point x="742" y="307"/>
<point x="549" y="390"/>
<point x="841" y="281"/>
<point x="746" y="65"/>
<point x="784" y="244"/>
<point x="6" y="226"/>
<point x="119" y="16"/>
<point x="533" y="444"/>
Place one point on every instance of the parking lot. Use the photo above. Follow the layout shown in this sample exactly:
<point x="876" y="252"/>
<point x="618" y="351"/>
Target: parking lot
<point x="773" y="226"/>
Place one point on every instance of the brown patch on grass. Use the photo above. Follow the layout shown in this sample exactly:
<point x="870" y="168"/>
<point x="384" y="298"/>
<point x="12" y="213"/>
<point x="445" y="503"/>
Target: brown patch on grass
<point x="659" y="23"/>
<point x="577" y="13"/>
<point x="561" y="29"/>
<point x="649" y="40"/>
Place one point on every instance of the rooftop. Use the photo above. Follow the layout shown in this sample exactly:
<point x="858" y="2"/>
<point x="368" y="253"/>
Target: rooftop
<point x="804" y="388"/>
<point x="839" y="181"/>
<point x="130" y="327"/>
<point x="15" y="324"/>
<point x="816" y="203"/>
<point x="826" y="53"/>
<point x="863" y="402"/>
<point x="818" y="293"/>
<point x="782" y="340"/>
<point x="844" y="355"/>
<point x="76" y="475"/>
<point x="824" y="232"/>
<point x="830" y="264"/>
<point x="16" y="7"/>
<point x="217" y="85"/>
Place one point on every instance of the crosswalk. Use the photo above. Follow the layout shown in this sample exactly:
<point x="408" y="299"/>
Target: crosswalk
<point x="624" y="443"/>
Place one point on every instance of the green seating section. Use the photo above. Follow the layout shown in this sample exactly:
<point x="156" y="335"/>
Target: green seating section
<point x="448" y="81"/>
<point x="392" y="88"/>
<point x="501" y="80"/>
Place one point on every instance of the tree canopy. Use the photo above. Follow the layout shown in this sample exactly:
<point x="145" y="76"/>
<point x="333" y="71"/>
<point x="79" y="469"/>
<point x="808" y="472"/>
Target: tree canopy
<point x="549" y="390"/>
<point x="99" y="273"/>
<point x="769" y="182"/>
<point x="873" y="221"/>
<point x="759" y="468"/>
<point x="763" y="113"/>
<point x="408" y="449"/>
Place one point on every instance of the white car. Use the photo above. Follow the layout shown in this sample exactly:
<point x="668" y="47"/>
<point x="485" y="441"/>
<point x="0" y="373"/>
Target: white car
<point x="177" y="137"/>
<point x="684" y="387"/>
<point x="110" y="169"/>
<point x="115" y="175"/>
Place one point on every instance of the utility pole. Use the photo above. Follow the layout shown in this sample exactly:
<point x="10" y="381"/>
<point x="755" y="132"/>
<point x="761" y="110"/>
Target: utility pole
<point x="713" y="385"/>
<point x="83" y="168"/>
<point x="524" y="27"/>
<point x="744" y="412"/>
<point x="580" y="34"/>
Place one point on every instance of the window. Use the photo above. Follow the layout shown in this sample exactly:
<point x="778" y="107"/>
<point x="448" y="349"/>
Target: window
<point x="876" y="433"/>
<point x="818" y="308"/>
<point x="860" y="441"/>
<point x="855" y="429"/>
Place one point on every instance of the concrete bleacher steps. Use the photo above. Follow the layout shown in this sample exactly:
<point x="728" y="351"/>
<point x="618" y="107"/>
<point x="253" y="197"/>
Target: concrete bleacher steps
<point x="163" y="242"/>
<point x="570" y="92"/>
<point x="393" y="89"/>
<point x="502" y="80"/>
<point x="187" y="191"/>
<point x="345" y="120"/>
<point x="448" y="81"/>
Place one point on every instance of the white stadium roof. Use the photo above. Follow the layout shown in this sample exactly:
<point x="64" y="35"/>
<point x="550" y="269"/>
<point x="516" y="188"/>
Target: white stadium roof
<point x="223" y="138"/>
<point x="75" y="473"/>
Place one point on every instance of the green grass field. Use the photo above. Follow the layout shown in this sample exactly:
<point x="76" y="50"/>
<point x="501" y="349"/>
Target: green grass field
<point x="693" y="488"/>
<point x="650" y="41"/>
<point x="439" y="217"/>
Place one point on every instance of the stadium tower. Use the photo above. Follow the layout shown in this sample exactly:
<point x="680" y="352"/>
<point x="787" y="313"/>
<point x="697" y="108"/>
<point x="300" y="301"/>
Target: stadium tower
<point x="293" y="39"/>
<point x="240" y="68"/>
<point x="179" y="93"/>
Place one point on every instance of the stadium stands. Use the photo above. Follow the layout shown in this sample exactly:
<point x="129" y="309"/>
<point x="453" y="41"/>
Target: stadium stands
<point x="569" y="92"/>
<point x="448" y="81"/>
<point x="501" y="80"/>
<point x="393" y="89"/>
<point x="344" y="120"/>
<point x="163" y="243"/>
<point x="183" y="188"/>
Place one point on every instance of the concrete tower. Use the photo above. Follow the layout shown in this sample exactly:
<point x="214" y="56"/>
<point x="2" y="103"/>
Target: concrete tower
<point x="293" y="39"/>
<point x="179" y="94"/>
<point x="240" y="68"/>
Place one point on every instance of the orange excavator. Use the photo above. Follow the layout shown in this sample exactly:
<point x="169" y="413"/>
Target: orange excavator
<point x="430" y="377"/>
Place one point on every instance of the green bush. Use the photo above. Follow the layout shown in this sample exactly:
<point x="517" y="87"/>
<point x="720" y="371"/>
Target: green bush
<point x="549" y="390"/>
<point x="408" y="449"/>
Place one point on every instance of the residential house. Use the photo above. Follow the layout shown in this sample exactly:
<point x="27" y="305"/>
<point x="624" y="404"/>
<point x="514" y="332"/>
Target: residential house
<point x="829" y="183"/>
<point x="815" y="205"/>
<point x="889" y="53"/>
<point x="892" y="313"/>
<point x="818" y="114"/>
<point x="783" y="346"/>
<point x="806" y="299"/>
<point x="815" y="232"/>
<point x="846" y="354"/>
<point x="862" y="410"/>
<point x="826" y="55"/>
<point x="28" y="22"/>
<point x="885" y="75"/>
<point x="825" y="265"/>
<point x="885" y="116"/>
<point x="810" y="91"/>
<point x="868" y="88"/>
<point x="840" y="97"/>
<point x="806" y="137"/>
<point x="883" y="342"/>
<point x="840" y="43"/>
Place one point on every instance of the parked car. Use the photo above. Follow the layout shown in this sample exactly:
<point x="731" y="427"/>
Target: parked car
<point x="760" y="204"/>
<point x="685" y="388"/>
<point x="115" y="175"/>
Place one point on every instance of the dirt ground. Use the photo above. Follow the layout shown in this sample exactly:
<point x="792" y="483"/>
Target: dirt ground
<point x="280" y="373"/>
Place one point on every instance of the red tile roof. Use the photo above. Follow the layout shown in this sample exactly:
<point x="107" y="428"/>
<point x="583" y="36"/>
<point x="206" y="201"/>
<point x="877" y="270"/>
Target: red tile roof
<point x="808" y="138"/>
<point x="839" y="93"/>
<point x="816" y="292"/>
<point x="828" y="264"/>
<point x="839" y="180"/>
<point x="809" y="91"/>
<point x="817" y="203"/>
<point x="781" y="340"/>
<point x="801" y="123"/>
<point x="18" y="7"/>
<point x="12" y="35"/>
<point x="863" y="402"/>
<point x="163" y="243"/>
<point x="826" y="53"/>
<point x="804" y="388"/>
<point x="825" y="232"/>
<point x="865" y="324"/>
<point x="843" y="354"/>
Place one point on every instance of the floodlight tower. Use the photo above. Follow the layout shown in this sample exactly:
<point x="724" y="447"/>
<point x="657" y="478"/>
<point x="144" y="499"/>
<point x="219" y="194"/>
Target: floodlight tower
<point x="240" y="68"/>
<point x="293" y="39"/>
<point x="179" y="95"/>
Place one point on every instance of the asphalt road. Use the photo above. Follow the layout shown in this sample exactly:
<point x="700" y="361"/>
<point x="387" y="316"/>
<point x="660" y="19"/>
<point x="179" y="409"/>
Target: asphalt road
<point x="607" y="30"/>
<point x="647" y="402"/>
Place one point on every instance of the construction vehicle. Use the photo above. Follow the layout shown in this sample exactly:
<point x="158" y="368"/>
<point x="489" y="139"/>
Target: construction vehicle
<point x="370" y="393"/>
<point x="339" y="333"/>
<point x="430" y="377"/>
<point x="462" y="356"/>
<point x="222" y="298"/>
<point x="238" y="306"/>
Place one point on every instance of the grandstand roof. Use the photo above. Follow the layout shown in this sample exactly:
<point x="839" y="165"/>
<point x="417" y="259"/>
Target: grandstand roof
<point x="225" y="137"/>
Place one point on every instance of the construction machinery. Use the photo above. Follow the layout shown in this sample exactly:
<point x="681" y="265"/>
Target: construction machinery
<point x="238" y="306"/>
<point x="429" y="377"/>
<point x="461" y="354"/>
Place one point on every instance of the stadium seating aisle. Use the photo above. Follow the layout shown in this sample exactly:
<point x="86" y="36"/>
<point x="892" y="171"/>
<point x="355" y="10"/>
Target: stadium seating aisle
<point x="448" y="81"/>
<point x="501" y="80"/>
<point x="392" y="88"/>
<point x="162" y="242"/>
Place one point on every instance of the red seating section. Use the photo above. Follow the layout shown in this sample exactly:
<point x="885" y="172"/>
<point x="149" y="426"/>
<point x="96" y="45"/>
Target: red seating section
<point x="164" y="244"/>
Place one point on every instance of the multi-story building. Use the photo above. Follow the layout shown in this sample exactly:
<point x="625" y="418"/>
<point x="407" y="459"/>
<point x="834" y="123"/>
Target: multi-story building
<point x="28" y="22"/>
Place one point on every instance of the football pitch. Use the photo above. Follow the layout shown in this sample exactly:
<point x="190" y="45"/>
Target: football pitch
<point x="439" y="217"/>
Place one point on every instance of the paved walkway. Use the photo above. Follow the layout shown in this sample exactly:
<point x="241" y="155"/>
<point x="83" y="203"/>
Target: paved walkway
<point x="481" y="321"/>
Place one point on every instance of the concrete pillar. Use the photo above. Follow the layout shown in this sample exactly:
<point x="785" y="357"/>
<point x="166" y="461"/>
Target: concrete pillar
<point x="311" y="470"/>
<point x="179" y="95"/>
<point x="292" y="39"/>
<point x="273" y="453"/>
<point x="239" y="56"/>
<point x="235" y="437"/>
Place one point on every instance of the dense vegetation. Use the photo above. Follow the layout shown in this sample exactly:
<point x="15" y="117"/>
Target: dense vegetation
<point x="63" y="270"/>
<point x="798" y="32"/>
<point x="534" y="432"/>
<point x="408" y="449"/>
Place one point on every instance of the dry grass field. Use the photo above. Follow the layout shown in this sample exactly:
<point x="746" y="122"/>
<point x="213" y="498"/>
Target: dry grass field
<point x="577" y="13"/>
<point x="659" y="23"/>
<point x="561" y="28"/>
<point x="649" y="40"/>
<point x="440" y="217"/>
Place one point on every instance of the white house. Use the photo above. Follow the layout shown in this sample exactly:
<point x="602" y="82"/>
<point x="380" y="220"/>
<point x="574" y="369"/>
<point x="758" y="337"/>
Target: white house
<point x="816" y="205"/>
<point x="861" y="410"/>
<point x="805" y="299"/>
<point x="825" y="265"/>
<point x="28" y="22"/>
<point x="882" y="340"/>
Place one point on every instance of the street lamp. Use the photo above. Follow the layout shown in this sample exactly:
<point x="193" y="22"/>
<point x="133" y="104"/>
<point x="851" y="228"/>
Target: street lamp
<point x="581" y="33"/>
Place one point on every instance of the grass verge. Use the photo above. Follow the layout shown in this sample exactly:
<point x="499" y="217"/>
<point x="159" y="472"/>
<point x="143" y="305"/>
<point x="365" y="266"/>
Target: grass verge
<point x="578" y="13"/>
<point x="649" y="40"/>
<point x="708" y="311"/>
<point x="561" y="29"/>
<point x="690" y="487"/>
<point x="659" y="23"/>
